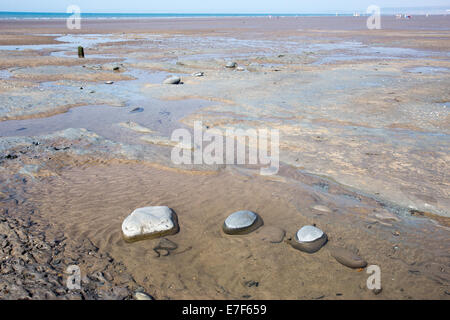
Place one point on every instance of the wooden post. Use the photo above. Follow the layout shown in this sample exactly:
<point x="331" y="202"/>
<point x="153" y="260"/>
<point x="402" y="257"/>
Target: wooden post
<point x="80" y="52"/>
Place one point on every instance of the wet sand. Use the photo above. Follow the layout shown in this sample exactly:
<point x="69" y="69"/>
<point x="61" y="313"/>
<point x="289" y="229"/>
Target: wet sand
<point x="363" y="120"/>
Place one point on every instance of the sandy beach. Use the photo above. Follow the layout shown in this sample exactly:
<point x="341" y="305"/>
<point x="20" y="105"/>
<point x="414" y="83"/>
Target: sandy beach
<point x="363" y="118"/>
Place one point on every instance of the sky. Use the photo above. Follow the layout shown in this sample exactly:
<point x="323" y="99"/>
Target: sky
<point x="212" y="6"/>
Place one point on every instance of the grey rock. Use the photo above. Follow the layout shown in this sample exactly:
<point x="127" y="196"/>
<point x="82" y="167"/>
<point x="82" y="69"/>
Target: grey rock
<point x="348" y="258"/>
<point x="142" y="296"/>
<point x="309" y="239"/>
<point x="242" y="222"/>
<point x="308" y="234"/>
<point x="136" y="110"/>
<point x="231" y="65"/>
<point x="172" y="80"/>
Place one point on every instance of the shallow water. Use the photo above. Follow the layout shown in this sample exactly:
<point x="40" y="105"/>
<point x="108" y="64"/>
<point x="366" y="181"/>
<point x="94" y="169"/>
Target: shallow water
<point x="428" y="70"/>
<point x="4" y="74"/>
<point x="161" y="117"/>
<point x="96" y="199"/>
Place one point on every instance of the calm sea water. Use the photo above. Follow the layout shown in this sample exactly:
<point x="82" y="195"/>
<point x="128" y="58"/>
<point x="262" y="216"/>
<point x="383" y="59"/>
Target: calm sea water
<point x="54" y="15"/>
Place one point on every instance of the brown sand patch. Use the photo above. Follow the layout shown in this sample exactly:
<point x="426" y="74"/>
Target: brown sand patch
<point x="16" y="39"/>
<point x="96" y="199"/>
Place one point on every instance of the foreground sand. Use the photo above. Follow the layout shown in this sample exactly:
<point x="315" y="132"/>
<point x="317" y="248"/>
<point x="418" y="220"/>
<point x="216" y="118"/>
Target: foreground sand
<point x="363" y="119"/>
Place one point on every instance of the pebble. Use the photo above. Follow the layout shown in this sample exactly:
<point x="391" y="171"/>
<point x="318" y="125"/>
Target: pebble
<point x="348" y="258"/>
<point x="308" y="239"/>
<point x="149" y="222"/>
<point x="251" y="283"/>
<point x="142" y="296"/>
<point x="136" y="110"/>
<point x="321" y="208"/>
<point x="242" y="222"/>
<point x="109" y="82"/>
<point x="231" y="65"/>
<point x="172" y="80"/>
<point x="377" y="291"/>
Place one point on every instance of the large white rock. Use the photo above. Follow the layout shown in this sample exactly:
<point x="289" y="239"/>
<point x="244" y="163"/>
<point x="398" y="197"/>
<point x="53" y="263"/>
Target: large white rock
<point x="149" y="222"/>
<point x="241" y="222"/>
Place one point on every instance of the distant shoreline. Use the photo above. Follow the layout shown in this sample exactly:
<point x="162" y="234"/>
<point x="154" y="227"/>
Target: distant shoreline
<point x="50" y="15"/>
<point x="7" y="15"/>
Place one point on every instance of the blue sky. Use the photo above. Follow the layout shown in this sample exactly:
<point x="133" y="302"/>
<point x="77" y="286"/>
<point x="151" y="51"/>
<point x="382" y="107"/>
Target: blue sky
<point x="212" y="6"/>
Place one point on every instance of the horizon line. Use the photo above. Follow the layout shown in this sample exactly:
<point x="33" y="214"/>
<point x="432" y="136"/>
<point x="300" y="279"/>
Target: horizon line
<point x="342" y="11"/>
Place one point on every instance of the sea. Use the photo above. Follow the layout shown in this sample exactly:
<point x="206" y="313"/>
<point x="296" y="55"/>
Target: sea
<point x="62" y="15"/>
<point x="433" y="10"/>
